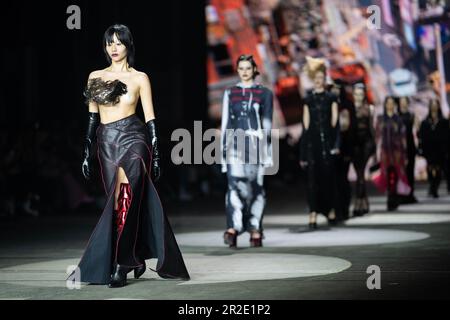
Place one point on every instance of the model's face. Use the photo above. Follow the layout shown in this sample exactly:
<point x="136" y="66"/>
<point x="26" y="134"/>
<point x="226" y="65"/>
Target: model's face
<point x="403" y="104"/>
<point x="116" y="50"/>
<point x="390" y="105"/>
<point x="358" y="95"/>
<point x="245" y="70"/>
<point x="319" y="79"/>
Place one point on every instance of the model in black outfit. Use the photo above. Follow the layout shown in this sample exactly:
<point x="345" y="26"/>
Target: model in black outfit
<point x="347" y="122"/>
<point x="408" y="119"/>
<point x="433" y="145"/>
<point x="320" y="144"/>
<point x="363" y="147"/>
<point x="133" y="226"/>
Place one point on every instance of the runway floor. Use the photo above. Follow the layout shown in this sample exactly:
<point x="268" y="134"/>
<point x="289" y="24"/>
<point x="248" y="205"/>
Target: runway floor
<point x="411" y="247"/>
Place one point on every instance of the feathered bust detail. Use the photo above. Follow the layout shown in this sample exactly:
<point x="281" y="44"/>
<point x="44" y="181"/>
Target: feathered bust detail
<point x="104" y="92"/>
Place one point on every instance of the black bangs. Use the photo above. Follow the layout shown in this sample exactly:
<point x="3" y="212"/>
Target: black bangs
<point x="123" y="34"/>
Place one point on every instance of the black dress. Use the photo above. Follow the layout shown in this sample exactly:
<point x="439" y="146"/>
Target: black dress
<point x="433" y="143"/>
<point x="408" y="121"/>
<point x="363" y="148"/>
<point x="347" y="139"/>
<point x="316" y="145"/>
<point x="146" y="233"/>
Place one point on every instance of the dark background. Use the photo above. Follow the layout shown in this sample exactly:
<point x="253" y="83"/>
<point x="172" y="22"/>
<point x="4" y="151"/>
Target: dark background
<point x="45" y="65"/>
<point x="44" y="68"/>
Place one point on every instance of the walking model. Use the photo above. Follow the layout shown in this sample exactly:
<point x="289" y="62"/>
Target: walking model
<point x="319" y="144"/>
<point x="409" y="120"/>
<point x="391" y="135"/>
<point x="433" y="145"/>
<point x="364" y="146"/>
<point x="133" y="226"/>
<point x="247" y="114"/>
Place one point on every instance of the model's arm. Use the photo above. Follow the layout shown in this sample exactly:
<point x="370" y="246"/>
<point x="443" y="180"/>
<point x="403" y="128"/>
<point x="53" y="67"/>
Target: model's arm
<point x="378" y="136"/>
<point x="372" y="120"/>
<point x="267" y="111"/>
<point x="420" y="139"/>
<point x="304" y="136"/>
<point x="267" y="115"/>
<point x="223" y="127"/>
<point x="145" y="92"/>
<point x="93" y="122"/>
<point x="335" y="126"/>
<point x="305" y="117"/>
<point x="334" y="114"/>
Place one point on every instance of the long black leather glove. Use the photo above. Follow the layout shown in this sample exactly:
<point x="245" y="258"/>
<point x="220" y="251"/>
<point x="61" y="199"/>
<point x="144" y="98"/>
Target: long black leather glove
<point x="156" y="168"/>
<point x="93" y="122"/>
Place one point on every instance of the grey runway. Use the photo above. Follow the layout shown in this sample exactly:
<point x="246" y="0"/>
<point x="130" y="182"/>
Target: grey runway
<point x="411" y="246"/>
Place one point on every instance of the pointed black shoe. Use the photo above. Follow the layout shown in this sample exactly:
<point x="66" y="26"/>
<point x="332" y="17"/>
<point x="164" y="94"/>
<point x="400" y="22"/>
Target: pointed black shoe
<point x="139" y="271"/>
<point x="312" y="225"/>
<point x="119" y="277"/>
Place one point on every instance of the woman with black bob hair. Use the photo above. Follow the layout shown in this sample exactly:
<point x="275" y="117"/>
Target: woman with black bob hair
<point x="133" y="226"/>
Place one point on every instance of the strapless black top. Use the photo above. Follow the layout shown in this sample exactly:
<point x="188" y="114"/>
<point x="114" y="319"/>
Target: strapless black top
<point x="104" y="92"/>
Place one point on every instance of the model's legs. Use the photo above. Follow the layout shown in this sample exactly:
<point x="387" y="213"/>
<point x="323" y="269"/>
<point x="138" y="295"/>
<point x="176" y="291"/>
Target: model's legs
<point x="392" y="188"/>
<point x="235" y="202"/>
<point x="312" y="194"/>
<point x="410" y="173"/>
<point x="121" y="178"/>
<point x="257" y="200"/>
<point x="360" y="166"/>
<point x="434" y="178"/>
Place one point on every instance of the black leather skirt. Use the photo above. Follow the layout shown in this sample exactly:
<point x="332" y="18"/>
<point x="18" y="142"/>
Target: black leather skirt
<point x="147" y="233"/>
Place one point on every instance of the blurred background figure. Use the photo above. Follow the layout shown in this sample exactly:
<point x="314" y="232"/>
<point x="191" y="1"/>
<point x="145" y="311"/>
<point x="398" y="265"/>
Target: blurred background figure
<point x="343" y="160"/>
<point x="409" y="120"/>
<point x="364" y="146"/>
<point x="391" y="135"/>
<point x="247" y="109"/>
<point x="320" y="144"/>
<point x="433" y="145"/>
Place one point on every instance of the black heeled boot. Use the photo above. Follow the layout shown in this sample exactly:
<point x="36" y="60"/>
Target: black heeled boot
<point x="139" y="271"/>
<point x="119" y="277"/>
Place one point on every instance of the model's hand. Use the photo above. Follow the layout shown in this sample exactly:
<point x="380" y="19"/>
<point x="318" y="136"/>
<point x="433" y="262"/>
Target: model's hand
<point x="303" y="164"/>
<point x="86" y="165"/>
<point x="335" y="151"/>
<point x="156" y="170"/>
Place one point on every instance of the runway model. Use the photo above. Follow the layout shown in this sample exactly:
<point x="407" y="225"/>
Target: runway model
<point x="433" y="145"/>
<point x="320" y="144"/>
<point x="133" y="226"/>
<point x="347" y="122"/>
<point x="408" y="119"/>
<point x="247" y="114"/>
<point x="391" y="134"/>
<point x="364" y="146"/>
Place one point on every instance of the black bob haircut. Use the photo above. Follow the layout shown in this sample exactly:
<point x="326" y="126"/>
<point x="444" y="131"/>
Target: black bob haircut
<point x="249" y="58"/>
<point x="123" y="34"/>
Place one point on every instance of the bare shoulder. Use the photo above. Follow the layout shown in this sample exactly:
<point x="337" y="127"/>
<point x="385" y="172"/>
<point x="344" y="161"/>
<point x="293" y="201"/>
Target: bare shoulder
<point x="96" y="74"/>
<point x="141" y="77"/>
